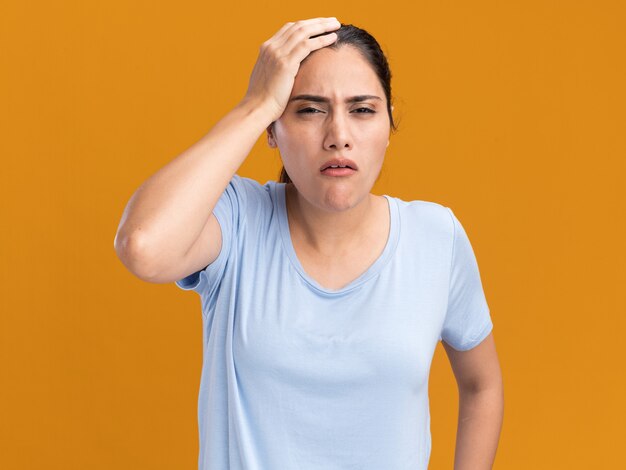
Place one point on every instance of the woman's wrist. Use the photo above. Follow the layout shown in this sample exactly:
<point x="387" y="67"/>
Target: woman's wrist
<point x="264" y="111"/>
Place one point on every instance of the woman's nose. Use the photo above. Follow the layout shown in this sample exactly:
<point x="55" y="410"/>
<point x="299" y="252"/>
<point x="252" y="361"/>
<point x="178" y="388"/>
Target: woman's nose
<point x="337" y="133"/>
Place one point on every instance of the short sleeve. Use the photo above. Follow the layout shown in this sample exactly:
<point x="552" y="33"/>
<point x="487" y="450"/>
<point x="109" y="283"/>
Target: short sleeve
<point x="229" y="212"/>
<point x="468" y="321"/>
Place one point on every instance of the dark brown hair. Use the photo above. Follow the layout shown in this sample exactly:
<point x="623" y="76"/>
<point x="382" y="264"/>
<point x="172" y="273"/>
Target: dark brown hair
<point x="367" y="45"/>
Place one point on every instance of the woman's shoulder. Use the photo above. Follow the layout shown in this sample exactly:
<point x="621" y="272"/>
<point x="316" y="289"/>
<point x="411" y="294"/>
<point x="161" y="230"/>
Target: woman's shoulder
<point x="423" y="213"/>
<point x="249" y="193"/>
<point x="426" y="208"/>
<point x="255" y="202"/>
<point x="244" y="183"/>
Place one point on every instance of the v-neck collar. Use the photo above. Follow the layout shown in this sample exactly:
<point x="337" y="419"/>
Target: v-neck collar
<point x="280" y="206"/>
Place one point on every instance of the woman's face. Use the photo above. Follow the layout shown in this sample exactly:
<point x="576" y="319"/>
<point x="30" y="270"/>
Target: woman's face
<point x="313" y="131"/>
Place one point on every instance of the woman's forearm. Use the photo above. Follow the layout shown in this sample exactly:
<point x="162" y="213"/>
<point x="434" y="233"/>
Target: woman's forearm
<point x="479" y="425"/>
<point x="167" y="212"/>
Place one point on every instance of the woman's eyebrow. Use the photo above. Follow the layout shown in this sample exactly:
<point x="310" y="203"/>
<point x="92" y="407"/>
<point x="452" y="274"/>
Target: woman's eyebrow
<point x="323" y="99"/>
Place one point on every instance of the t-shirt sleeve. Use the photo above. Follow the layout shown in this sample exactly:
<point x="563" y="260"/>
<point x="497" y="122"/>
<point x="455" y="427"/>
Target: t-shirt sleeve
<point x="468" y="321"/>
<point x="229" y="212"/>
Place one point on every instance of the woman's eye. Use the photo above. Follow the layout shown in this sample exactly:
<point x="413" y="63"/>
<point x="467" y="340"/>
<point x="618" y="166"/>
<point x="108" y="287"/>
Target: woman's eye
<point x="316" y="111"/>
<point x="309" y="111"/>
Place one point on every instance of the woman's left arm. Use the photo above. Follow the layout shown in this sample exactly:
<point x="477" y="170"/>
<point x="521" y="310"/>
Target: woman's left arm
<point x="481" y="404"/>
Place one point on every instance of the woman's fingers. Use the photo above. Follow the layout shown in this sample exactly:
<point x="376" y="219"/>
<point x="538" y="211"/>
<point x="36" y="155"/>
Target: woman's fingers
<point x="278" y="37"/>
<point x="303" y="48"/>
<point x="279" y="59"/>
<point x="302" y="30"/>
<point x="300" y="33"/>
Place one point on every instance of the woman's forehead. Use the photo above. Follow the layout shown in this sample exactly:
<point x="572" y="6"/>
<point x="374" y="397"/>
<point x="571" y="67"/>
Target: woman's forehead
<point x="336" y="73"/>
<point x="329" y="56"/>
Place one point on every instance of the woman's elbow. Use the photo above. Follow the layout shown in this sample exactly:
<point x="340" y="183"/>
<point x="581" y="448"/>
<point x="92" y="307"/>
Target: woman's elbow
<point x="133" y="253"/>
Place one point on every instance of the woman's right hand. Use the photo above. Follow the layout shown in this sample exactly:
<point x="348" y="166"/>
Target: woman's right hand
<point x="279" y="60"/>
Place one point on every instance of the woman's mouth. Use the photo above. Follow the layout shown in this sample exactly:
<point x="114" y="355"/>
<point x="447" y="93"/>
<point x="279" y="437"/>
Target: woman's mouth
<point x="339" y="167"/>
<point x="338" y="171"/>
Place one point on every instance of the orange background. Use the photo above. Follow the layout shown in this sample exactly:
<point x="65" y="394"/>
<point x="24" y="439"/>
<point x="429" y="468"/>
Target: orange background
<point x="511" y="113"/>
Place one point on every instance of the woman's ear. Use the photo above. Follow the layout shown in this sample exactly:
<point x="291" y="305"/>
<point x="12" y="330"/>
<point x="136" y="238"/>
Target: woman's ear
<point x="270" y="136"/>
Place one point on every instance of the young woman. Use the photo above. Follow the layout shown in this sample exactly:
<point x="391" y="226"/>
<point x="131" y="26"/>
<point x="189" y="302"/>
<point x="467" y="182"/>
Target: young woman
<point x="322" y="303"/>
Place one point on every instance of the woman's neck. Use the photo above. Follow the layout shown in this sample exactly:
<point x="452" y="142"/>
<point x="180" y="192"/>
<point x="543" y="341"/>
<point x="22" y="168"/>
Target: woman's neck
<point x="329" y="233"/>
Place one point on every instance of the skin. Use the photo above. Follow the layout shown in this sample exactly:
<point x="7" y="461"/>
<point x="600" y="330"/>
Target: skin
<point x="333" y="215"/>
<point x="336" y="129"/>
<point x="481" y="404"/>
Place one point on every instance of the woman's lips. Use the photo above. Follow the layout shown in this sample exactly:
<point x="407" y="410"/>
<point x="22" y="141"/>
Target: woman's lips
<point x="338" y="171"/>
<point x="340" y="161"/>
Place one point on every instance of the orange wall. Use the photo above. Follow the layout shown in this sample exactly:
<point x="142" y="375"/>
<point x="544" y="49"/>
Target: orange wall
<point x="511" y="113"/>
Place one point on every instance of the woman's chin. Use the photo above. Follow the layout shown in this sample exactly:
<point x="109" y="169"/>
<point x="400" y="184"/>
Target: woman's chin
<point x="340" y="200"/>
<point x="333" y="198"/>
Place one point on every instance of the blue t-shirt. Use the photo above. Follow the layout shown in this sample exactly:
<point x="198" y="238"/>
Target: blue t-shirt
<point x="299" y="377"/>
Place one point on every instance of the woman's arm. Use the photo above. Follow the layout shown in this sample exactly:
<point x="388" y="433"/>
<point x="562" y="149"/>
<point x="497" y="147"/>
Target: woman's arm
<point x="481" y="404"/>
<point x="169" y="212"/>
